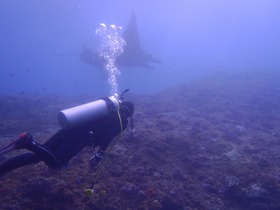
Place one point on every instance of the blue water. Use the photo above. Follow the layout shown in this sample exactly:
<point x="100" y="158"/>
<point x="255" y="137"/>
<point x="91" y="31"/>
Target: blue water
<point x="192" y="38"/>
<point x="218" y="122"/>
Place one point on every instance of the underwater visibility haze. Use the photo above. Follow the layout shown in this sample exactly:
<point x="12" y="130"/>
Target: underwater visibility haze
<point x="204" y="79"/>
<point x="191" y="39"/>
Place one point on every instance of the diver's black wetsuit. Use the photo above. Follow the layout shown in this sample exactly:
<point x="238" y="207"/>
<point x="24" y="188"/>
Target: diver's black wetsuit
<point x="66" y="143"/>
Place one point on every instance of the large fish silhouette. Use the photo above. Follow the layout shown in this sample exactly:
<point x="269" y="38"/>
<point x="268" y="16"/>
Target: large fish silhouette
<point x="132" y="56"/>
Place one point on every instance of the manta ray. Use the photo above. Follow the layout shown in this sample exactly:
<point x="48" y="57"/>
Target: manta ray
<point x="132" y="56"/>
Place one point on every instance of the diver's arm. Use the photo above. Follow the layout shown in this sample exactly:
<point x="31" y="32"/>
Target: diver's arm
<point x="107" y="135"/>
<point x="94" y="161"/>
<point x="105" y="143"/>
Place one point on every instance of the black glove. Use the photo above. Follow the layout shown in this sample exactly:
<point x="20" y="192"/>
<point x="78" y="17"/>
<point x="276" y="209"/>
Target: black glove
<point x="94" y="160"/>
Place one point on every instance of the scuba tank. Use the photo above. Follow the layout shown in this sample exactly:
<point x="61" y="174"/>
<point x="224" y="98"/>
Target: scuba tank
<point x="85" y="113"/>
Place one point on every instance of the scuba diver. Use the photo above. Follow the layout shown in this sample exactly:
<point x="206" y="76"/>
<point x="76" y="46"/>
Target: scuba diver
<point x="74" y="136"/>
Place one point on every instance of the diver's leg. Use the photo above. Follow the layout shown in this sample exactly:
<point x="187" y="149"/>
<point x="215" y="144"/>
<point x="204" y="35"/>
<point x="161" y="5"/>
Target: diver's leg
<point x="65" y="144"/>
<point x="44" y="154"/>
<point x="18" y="161"/>
<point x="73" y="142"/>
<point x="26" y="141"/>
<point x="56" y="140"/>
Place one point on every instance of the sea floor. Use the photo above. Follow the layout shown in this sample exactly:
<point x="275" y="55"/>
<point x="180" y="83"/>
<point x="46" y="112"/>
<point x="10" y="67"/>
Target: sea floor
<point x="212" y="144"/>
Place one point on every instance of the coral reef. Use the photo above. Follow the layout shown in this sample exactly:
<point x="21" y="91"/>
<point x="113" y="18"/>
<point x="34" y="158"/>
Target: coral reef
<point x="211" y="144"/>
